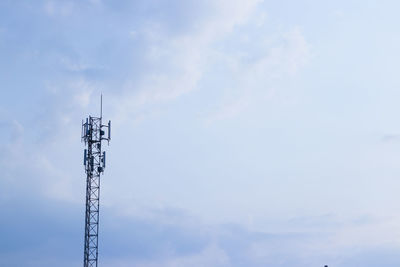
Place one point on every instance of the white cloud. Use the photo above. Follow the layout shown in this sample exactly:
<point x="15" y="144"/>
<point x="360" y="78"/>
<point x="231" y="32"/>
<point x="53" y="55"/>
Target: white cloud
<point x="96" y="2"/>
<point x="83" y="93"/>
<point x="59" y="8"/>
<point x="17" y="129"/>
<point x="182" y="60"/>
<point x="256" y="79"/>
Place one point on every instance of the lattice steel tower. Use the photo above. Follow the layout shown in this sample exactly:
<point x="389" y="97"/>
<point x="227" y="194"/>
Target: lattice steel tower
<point x="93" y="133"/>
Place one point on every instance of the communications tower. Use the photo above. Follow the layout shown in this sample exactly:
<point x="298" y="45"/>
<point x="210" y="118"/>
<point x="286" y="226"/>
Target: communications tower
<point x="94" y="160"/>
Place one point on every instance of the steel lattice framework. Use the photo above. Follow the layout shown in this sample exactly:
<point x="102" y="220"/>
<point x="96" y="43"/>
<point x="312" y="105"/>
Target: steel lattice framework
<point x="94" y="161"/>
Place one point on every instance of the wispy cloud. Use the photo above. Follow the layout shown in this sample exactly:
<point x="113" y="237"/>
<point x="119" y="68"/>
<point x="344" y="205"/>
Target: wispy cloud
<point x="391" y="138"/>
<point x="255" y="73"/>
<point x="132" y="240"/>
<point x="182" y="59"/>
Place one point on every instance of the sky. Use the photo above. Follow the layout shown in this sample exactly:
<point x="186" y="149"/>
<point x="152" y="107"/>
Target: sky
<point x="245" y="132"/>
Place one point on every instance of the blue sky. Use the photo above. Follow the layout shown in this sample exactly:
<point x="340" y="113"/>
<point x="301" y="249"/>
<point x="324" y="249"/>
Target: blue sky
<point x="245" y="133"/>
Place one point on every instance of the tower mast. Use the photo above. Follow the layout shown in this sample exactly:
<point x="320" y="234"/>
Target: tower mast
<point x="94" y="160"/>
